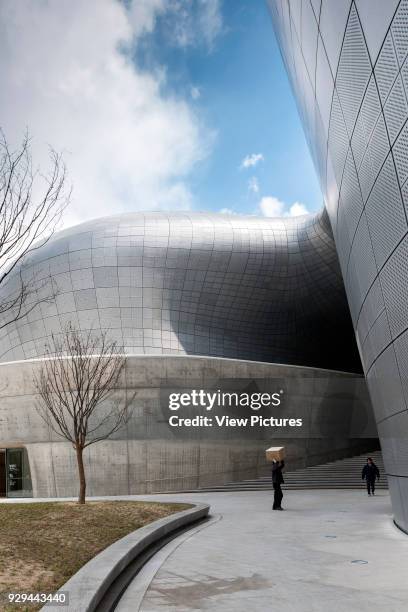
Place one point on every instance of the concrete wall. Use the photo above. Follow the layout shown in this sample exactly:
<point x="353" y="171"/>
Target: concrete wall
<point x="148" y="455"/>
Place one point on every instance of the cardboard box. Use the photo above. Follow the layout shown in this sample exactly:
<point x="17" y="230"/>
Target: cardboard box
<point x="275" y="452"/>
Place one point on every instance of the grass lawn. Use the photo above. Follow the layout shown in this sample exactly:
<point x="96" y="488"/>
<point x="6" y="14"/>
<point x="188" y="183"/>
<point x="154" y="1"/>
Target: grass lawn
<point x="44" y="544"/>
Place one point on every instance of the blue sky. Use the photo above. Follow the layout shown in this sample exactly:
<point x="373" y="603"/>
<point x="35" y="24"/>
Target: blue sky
<point x="155" y="104"/>
<point x="245" y="97"/>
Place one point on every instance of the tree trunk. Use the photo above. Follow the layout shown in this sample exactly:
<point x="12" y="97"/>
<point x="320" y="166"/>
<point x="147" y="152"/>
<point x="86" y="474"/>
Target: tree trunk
<point x="81" y="473"/>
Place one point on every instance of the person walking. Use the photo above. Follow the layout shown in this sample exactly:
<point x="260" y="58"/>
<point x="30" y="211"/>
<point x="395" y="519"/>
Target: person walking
<point x="277" y="481"/>
<point x="369" y="474"/>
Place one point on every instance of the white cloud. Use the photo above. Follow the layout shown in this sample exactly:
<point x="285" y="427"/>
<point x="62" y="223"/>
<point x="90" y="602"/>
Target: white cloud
<point x="297" y="209"/>
<point x="195" y="93"/>
<point x="68" y="76"/>
<point x="252" y="160"/>
<point x="270" y="206"/>
<point x="253" y="184"/>
<point x="142" y="14"/>
<point x="210" y="21"/>
<point x="227" y="211"/>
<point x="194" y="22"/>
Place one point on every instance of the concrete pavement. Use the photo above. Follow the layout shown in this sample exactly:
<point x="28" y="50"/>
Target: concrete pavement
<point x="334" y="551"/>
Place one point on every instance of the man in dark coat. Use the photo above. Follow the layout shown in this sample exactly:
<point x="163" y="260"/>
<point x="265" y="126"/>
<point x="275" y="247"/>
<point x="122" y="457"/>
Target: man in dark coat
<point x="369" y="474"/>
<point x="277" y="481"/>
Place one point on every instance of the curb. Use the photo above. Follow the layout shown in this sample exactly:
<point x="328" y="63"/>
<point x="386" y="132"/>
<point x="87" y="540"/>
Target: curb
<point x="87" y="587"/>
<point x="132" y="598"/>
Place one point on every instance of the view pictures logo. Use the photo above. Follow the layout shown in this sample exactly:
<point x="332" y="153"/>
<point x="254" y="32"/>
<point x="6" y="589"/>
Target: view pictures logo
<point x="209" y="400"/>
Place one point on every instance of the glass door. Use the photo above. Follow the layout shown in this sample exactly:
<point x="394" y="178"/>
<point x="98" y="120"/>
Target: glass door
<point x="18" y="473"/>
<point x="3" y="488"/>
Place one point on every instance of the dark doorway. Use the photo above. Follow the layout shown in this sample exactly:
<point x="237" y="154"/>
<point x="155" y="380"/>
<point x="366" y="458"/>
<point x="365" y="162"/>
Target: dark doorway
<point x="18" y="473"/>
<point x="3" y="491"/>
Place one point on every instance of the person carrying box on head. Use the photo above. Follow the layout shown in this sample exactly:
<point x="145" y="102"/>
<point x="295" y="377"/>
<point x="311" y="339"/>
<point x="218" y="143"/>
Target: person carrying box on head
<point x="276" y="454"/>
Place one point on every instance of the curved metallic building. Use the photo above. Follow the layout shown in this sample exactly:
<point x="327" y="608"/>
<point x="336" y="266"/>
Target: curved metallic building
<point x="347" y="60"/>
<point x="197" y="284"/>
<point x="199" y="302"/>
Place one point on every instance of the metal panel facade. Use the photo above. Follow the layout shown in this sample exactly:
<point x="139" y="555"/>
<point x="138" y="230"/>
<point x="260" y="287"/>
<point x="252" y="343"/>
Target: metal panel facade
<point x="189" y="283"/>
<point x="347" y="61"/>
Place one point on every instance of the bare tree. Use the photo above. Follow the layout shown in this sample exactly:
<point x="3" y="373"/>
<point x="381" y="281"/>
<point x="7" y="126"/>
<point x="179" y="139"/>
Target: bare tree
<point x="80" y="371"/>
<point x="31" y="205"/>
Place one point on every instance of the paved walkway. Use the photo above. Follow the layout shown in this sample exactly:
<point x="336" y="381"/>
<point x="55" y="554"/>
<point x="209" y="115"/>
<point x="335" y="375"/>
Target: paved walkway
<point x="330" y="551"/>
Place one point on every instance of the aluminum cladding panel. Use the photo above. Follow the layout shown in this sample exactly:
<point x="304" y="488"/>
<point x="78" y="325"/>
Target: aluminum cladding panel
<point x="360" y="109"/>
<point x="190" y="283"/>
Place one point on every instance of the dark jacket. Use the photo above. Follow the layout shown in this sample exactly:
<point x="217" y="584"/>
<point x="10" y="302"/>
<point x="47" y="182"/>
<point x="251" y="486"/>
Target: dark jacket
<point x="370" y="472"/>
<point x="277" y="468"/>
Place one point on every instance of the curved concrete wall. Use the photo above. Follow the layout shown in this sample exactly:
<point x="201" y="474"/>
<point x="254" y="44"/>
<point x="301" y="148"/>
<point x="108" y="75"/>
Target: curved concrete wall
<point x="348" y="64"/>
<point x="149" y="455"/>
<point x="189" y="283"/>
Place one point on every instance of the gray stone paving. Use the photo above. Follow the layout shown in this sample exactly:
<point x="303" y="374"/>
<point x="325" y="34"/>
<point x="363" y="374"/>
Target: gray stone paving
<point x="300" y="560"/>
